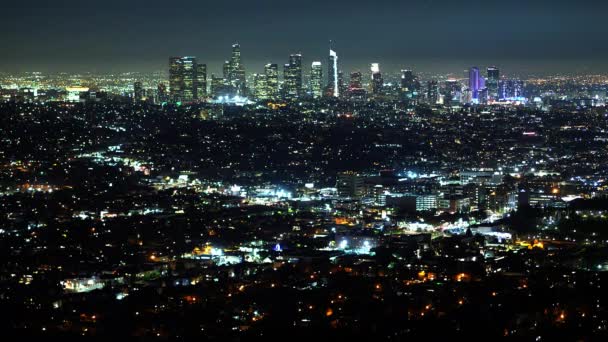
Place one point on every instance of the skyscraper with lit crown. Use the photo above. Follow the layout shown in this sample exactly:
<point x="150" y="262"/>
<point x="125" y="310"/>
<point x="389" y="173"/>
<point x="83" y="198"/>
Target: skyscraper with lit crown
<point x="493" y="82"/>
<point x="186" y="79"/>
<point x="236" y="70"/>
<point x="293" y="76"/>
<point x="332" y="74"/>
<point x="377" y="81"/>
<point x="272" y="80"/>
<point x="316" y="80"/>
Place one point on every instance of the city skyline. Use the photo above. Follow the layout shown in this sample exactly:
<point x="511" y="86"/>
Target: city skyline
<point x="340" y="170"/>
<point x="433" y="36"/>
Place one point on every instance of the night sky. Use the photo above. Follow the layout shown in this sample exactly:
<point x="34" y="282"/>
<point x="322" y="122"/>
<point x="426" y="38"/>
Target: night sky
<point x="433" y="35"/>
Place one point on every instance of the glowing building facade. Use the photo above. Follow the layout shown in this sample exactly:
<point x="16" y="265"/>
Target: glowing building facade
<point x="332" y="74"/>
<point x="316" y="80"/>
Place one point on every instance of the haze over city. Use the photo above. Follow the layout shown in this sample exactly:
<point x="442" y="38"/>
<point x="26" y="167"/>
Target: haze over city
<point x="433" y="36"/>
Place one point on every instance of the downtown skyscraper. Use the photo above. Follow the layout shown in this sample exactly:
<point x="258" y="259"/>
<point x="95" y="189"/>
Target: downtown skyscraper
<point x="410" y="86"/>
<point x="377" y="81"/>
<point x="476" y="85"/>
<point x="187" y="79"/>
<point x="493" y="83"/>
<point x="234" y="71"/>
<point x="293" y="77"/>
<point x="271" y="71"/>
<point x="333" y="85"/>
<point x="316" y="80"/>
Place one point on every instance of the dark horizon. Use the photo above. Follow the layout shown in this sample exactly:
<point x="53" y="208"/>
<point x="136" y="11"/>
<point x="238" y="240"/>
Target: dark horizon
<point x="436" y="36"/>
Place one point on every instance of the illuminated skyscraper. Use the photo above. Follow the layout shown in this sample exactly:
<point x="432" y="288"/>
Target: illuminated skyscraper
<point x="432" y="92"/>
<point x="355" y="88"/>
<point x="293" y="76"/>
<point x="218" y="86"/>
<point x="341" y="83"/>
<point x="201" y="81"/>
<point x="332" y="74"/>
<point x="453" y="92"/>
<point x="410" y="86"/>
<point x="356" y="80"/>
<point x="476" y="84"/>
<point x="235" y="70"/>
<point x="138" y="91"/>
<point x="377" y="81"/>
<point x="184" y="79"/>
<point x="511" y="89"/>
<point x="316" y="79"/>
<point x="226" y="72"/>
<point x="161" y="93"/>
<point x="272" y="80"/>
<point x="492" y="83"/>
<point x="260" y="86"/>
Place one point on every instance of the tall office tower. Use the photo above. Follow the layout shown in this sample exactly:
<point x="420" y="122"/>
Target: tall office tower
<point x="218" y="86"/>
<point x="260" y="86"/>
<point x="236" y="75"/>
<point x="432" y="93"/>
<point x="356" y="80"/>
<point x="293" y="77"/>
<point x="355" y="88"/>
<point x="453" y="92"/>
<point x="511" y="89"/>
<point x="341" y="83"/>
<point x="189" y="78"/>
<point x="176" y="77"/>
<point x="316" y="80"/>
<point x="226" y="72"/>
<point x="161" y="93"/>
<point x="410" y="86"/>
<point x="138" y="91"/>
<point x="296" y="62"/>
<point x="183" y="79"/>
<point x="350" y="184"/>
<point x="377" y="81"/>
<point x="272" y="80"/>
<point x="492" y="83"/>
<point x="201" y="81"/>
<point x="332" y="74"/>
<point x="476" y="84"/>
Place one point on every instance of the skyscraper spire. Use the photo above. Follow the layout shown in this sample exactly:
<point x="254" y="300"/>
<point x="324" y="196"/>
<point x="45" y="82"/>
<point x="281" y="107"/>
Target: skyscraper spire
<point x="332" y="72"/>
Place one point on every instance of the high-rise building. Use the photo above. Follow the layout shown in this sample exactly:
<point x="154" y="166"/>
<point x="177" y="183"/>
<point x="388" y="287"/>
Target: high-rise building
<point x="432" y="94"/>
<point x="341" y="83"/>
<point x="493" y="82"/>
<point x="260" y="86"/>
<point x="355" y="87"/>
<point x="161" y="93"/>
<point x="138" y="91"/>
<point x="236" y="70"/>
<point x="218" y="86"/>
<point x="201" y="81"/>
<point x="356" y="80"/>
<point x="272" y="80"/>
<point x="226" y="72"/>
<point x="332" y="74"/>
<point x="377" y="81"/>
<point x="316" y="80"/>
<point x="453" y="92"/>
<point x="511" y="89"/>
<point x="176" y="79"/>
<point x="184" y="79"/>
<point x="410" y="86"/>
<point x="293" y="77"/>
<point x="476" y="84"/>
<point x="350" y="184"/>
